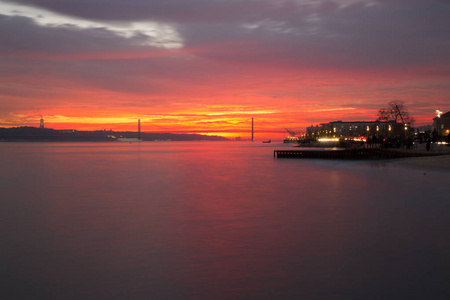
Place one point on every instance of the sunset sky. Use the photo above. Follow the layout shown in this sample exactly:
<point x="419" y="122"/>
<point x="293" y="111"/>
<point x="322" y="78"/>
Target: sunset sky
<point x="209" y="66"/>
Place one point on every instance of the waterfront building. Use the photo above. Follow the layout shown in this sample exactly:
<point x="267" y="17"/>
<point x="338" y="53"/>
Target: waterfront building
<point x="442" y="123"/>
<point x="355" y="129"/>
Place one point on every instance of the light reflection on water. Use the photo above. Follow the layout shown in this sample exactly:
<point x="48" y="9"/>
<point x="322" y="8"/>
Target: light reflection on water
<point x="216" y="221"/>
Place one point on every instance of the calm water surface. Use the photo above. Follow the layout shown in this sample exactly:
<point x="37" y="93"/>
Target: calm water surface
<point x="224" y="220"/>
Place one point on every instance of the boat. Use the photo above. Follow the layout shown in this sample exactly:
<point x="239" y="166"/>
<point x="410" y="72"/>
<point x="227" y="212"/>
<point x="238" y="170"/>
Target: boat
<point x="318" y="143"/>
<point x="267" y="142"/>
<point x="129" y="140"/>
<point x="132" y="139"/>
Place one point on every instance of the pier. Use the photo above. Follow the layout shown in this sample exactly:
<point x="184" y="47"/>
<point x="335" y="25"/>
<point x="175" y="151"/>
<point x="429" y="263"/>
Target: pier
<point x="366" y="153"/>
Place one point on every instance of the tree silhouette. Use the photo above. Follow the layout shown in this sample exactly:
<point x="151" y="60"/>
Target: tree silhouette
<point x="397" y="111"/>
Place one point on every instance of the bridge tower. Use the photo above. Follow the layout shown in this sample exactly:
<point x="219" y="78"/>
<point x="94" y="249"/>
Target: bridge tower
<point x="139" y="129"/>
<point x="253" y="132"/>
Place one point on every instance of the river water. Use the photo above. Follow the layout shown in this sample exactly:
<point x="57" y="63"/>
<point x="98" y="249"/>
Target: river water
<point x="217" y="220"/>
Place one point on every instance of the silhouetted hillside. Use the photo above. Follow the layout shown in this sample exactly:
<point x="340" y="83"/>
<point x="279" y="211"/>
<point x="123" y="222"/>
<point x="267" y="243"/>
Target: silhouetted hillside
<point x="46" y="134"/>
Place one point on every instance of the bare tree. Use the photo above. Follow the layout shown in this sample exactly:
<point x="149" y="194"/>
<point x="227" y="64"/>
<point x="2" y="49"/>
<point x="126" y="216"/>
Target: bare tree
<point x="396" y="111"/>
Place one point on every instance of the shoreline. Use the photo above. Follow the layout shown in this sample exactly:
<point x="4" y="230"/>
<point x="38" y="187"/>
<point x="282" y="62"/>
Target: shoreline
<point x="439" y="162"/>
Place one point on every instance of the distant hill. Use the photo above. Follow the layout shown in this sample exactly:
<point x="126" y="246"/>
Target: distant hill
<point x="45" y="134"/>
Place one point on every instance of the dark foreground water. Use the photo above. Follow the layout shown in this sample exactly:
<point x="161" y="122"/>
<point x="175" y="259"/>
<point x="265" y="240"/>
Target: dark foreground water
<point x="217" y="221"/>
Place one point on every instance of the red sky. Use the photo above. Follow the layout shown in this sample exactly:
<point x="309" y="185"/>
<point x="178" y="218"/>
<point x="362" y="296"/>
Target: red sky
<point x="208" y="66"/>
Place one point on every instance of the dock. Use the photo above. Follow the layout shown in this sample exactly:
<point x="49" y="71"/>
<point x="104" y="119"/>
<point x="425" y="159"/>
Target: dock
<point x="366" y="153"/>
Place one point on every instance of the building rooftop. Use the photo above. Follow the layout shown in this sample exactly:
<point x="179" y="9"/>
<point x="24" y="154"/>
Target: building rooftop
<point x="446" y="115"/>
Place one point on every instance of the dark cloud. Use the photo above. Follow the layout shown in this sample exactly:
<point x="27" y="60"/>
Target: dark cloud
<point x="328" y="36"/>
<point x="23" y="35"/>
<point x="167" y="10"/>
<point x="285" y="33"/>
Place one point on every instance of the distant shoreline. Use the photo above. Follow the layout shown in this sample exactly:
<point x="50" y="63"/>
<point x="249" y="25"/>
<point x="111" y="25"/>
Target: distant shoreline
<point x="34" y="134"/>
